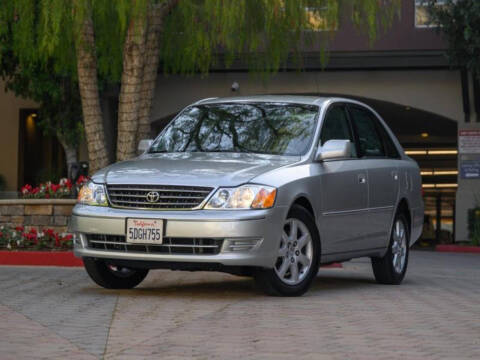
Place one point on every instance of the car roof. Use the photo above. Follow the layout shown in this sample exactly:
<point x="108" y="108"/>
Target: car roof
<point x="294" y="99"/>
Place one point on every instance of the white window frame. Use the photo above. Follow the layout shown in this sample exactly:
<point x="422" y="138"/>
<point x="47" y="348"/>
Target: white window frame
<point x="418" y="3"/>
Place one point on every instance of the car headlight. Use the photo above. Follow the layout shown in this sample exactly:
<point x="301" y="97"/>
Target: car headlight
<point x="92" y="194"/>
<point x="243" y="197"/>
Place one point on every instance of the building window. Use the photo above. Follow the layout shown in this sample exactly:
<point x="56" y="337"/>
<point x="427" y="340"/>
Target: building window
<point x="422" y="17"/>
<point x="321" y="19"/>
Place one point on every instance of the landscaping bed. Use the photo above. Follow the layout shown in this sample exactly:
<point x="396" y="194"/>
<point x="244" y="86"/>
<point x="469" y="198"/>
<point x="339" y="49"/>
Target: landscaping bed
<point x="36" y="213"/>
<point x="39" y="258"/>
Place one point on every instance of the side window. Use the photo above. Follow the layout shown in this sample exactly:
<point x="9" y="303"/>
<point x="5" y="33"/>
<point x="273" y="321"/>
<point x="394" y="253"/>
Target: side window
<point x="336" y="127"/>
<point x="370" y="142"/>
<point x="390" y="148"/>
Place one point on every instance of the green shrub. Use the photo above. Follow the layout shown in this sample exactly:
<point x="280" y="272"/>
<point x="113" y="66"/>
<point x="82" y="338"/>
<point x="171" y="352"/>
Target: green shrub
<point x="474" y="226"/>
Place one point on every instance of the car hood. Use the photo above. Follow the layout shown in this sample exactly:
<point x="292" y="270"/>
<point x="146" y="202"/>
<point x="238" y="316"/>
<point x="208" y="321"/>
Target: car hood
<point x="192" y="169"/>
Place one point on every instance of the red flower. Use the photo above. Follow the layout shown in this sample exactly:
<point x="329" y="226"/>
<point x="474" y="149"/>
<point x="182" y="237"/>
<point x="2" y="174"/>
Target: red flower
<point x="19" y="228"/>
<point x="68" y="184"/>
<point x="26" y="189"/>
<point x="55" y="187"/>
<point x="82" y="179"/>
<point x="49" y="232"/>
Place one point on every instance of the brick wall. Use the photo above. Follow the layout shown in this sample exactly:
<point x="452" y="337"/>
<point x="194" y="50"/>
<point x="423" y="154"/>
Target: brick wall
<point x="41" y="213"/>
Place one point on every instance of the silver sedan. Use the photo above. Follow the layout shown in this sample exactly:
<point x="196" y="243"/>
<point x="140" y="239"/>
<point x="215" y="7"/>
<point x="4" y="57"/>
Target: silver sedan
<point x="264" y="186"/>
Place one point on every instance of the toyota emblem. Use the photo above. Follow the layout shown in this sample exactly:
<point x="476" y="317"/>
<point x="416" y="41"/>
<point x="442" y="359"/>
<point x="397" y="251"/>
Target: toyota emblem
<point x="153" y="197"/>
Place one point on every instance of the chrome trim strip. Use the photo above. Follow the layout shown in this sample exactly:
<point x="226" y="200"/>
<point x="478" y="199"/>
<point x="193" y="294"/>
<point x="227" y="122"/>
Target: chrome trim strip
<point x="346" y="212"/>
<point x="148" y="244"/>
<point x="261" y="217"/>
<point x="161" y="197"/>
<point x="157" y="189"/>
<point x="147" y="203"/>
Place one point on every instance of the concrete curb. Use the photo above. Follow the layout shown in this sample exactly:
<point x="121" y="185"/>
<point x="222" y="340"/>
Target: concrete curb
<point x="458" y="249"/>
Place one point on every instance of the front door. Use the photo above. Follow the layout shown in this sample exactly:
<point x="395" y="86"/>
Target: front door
<point x="380" y="158"/>
<point x="344" y="190"/>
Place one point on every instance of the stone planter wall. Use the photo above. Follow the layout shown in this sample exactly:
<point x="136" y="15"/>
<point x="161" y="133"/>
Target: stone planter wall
<point x="41" y="213"/>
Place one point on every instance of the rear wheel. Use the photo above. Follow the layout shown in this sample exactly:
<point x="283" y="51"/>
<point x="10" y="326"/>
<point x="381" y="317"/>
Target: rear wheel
<point x="297" y="257"/>
<point x="391" y="268"/>
<point x="111" y="276"/>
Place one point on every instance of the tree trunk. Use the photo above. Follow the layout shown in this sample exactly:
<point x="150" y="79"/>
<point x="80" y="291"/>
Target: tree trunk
<point x="88" y="84"/>
<point x="70" y="155"/>
<point x="130" y="96"/>
<point x="150" y="70"/>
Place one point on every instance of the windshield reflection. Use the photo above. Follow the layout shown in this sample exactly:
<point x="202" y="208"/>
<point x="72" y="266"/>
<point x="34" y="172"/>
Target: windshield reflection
<point x="264" y="128"/>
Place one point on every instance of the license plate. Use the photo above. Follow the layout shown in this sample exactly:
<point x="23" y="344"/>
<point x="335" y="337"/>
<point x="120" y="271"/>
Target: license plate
<point x="144" y="231"/>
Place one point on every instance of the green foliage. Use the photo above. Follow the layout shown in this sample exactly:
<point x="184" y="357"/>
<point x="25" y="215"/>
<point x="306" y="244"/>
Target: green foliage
<point x="460" y="23"/>
<point x="264" y="33"/>
<point x="57" y="94"/>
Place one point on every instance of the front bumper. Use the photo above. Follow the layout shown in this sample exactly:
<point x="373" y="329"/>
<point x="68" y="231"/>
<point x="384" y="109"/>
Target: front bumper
<point x="263" y="225"/>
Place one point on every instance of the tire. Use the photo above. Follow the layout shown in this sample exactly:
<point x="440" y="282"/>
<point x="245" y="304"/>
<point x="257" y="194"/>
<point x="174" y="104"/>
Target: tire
<point x="113" y="277"/>
<point x="305" y="252"/>
<point x="389" y="269"/>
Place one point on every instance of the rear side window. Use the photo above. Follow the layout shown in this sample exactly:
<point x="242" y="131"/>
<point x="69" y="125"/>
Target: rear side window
<point x="369" y="140"/>
<point x="390" y="148"/>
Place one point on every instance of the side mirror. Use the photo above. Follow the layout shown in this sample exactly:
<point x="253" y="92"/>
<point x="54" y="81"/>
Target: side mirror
<point x="334" y="149"/>
<point x="144" y="145"/>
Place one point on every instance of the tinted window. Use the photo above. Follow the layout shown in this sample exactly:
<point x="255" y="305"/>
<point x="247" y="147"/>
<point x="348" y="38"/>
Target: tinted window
<point x="335" y="126"/>
<point x="390" y="148"/>
<point x="370" y="143"/>
<point x="266" y="128"/>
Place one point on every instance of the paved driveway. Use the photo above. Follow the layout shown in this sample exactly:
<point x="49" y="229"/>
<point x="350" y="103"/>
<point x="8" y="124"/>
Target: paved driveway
<point x="58" y="313"/>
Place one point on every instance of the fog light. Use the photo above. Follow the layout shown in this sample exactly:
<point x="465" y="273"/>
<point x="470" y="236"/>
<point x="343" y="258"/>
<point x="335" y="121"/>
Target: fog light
<point x="241" y="245"/>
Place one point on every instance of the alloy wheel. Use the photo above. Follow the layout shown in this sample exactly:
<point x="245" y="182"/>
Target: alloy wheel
<point x="399" y="246"/>
<point x="295" y="253"/>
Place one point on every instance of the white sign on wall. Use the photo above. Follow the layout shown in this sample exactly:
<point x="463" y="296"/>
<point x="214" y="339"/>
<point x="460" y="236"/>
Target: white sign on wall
<point x="469" y="141"/>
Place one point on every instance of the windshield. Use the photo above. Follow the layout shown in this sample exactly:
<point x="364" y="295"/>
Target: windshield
<point x="265" y="128"/>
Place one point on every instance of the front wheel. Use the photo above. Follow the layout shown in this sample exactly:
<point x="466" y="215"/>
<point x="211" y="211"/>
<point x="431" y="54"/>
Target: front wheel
<point x="391" y="268"/>
<point x="111" y="276"/>
<point x="297" y="257"/>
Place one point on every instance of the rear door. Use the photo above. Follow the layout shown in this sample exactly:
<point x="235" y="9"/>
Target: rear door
<point x="344" y="192"/>
<point x="381" y="162"/>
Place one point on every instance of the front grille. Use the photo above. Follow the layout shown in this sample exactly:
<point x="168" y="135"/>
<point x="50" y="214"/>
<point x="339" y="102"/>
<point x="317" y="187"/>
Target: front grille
<point x="169" y="196"/>
<point x="171" y="245"/>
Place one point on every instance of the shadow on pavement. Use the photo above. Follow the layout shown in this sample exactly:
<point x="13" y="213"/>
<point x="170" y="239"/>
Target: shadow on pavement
<point x="243" y="287"/>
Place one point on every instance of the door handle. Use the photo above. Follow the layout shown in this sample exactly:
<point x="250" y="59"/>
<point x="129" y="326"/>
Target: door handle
<point x="362" y="179"/>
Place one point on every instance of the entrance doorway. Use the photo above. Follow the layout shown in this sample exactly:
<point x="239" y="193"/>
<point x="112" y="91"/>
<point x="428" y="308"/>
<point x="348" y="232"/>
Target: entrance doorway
<point x="41" y="157"/>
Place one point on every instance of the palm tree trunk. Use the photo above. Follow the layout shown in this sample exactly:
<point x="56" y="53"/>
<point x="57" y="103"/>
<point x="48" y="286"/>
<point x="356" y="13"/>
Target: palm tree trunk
<point x="150" y="71"/>
<point x="132" y="76"/>
<point x="88" y="84"/>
